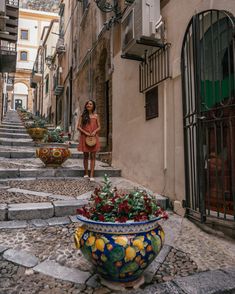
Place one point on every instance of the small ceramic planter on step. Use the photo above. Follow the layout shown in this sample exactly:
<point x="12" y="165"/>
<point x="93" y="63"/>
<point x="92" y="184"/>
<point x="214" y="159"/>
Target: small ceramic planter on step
<point x="120" y="252"/>
<point x="53" y="154"/>
<point x="37" y="134"/>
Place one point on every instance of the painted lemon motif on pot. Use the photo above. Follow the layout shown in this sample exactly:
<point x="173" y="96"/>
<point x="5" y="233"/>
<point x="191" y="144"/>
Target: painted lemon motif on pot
<point x="121" y="240"/>
<point x="139" y="244"/>
<point x="99" y="243"/>
<point x="130" y="253"/>
<point x="90" y="241"/>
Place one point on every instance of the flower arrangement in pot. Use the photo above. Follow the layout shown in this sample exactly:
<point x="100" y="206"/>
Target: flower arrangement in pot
<point x="53" y="152"/>
<point x="120" y="234"/>
<point x="36" y="128"/>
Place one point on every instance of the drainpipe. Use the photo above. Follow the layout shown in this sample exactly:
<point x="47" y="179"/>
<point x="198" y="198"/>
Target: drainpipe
<point x="165" y="125"/>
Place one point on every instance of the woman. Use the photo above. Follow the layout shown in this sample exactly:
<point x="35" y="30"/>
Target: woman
<point x="89" y="125"/>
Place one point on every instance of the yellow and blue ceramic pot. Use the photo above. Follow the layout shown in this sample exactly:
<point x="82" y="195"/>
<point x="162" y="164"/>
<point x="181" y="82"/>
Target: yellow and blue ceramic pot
<point x="120" y="252"/>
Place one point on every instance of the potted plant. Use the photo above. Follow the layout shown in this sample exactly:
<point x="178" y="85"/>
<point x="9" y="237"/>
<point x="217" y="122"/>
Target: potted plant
<point x="36" y="128"/>
<point x="53" y="152"/>
<point x="120" y="234"/>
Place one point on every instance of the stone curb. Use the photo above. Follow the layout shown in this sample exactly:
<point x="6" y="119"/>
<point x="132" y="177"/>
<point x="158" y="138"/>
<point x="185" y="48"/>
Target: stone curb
<point x="38" y="223"/>
<point x="6" y="173"/>
<point x="41" y="210"/>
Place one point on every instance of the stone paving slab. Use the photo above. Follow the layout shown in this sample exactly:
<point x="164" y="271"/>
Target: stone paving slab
<point x="64" y="208"/>
<point x="38" y="223"/>
<point x="3" y="248"/>
<point x="57" y="221"/>
<point x="13" y="224"/>
<point x="27" y="211"/>
<point x="28" y="192"/>
<point x="3" y="212"/>
<point x="206" y="282"/>
<point x="164" y="288"/>
<point x="21" y="257"/>
<point x="57" y="271"/>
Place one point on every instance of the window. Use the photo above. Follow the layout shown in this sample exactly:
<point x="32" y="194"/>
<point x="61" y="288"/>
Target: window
<point x="47" y="84"/>
<point x="24" y="34"/>
<point x="151" y="103"/>
<point x="23" y="56"/>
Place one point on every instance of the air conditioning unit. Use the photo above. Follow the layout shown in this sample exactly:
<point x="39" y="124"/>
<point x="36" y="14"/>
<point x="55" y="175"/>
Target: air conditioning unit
<point x="139" y="27"/>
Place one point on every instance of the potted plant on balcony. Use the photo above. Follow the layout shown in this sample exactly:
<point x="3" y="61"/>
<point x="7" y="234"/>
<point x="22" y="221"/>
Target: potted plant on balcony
<point x="120" y="234"/>
<point x="53" y="152"/>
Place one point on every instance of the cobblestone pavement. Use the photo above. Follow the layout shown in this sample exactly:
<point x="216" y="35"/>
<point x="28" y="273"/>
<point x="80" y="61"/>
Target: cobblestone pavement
<point x="68" y="187"/>
<point x="208" y="251"/>
<point x="11" y="198"/>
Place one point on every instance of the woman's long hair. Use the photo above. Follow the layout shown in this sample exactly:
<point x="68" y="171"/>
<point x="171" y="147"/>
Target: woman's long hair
<point x="85" y="114"/>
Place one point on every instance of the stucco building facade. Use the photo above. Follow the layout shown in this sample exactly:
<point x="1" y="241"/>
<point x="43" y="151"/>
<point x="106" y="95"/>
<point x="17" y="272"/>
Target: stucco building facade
<point x="31" y="25"/>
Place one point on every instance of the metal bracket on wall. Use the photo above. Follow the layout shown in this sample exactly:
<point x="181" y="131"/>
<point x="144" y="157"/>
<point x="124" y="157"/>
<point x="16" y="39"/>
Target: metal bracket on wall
<point x="132" y="57"/>
<point x="148" y="42"/>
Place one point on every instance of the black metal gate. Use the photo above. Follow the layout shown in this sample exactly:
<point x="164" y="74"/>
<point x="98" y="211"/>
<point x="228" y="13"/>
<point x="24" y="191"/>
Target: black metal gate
<point x="208" y="67"/>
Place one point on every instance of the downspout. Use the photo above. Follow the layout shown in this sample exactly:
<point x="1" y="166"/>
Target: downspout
<point x="165" y="126"/>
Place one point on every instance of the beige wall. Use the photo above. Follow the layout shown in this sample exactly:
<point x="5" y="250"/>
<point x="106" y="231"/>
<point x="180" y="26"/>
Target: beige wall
<point x="139" y="146"/>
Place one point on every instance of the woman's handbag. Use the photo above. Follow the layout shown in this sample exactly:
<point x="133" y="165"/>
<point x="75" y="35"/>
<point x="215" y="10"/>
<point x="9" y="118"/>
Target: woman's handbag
<point x="90" y="141"/>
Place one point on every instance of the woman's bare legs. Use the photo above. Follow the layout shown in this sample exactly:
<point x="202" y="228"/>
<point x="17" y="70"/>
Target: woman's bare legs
<point x="92" y="164"/>
<point x="85" y="162"/>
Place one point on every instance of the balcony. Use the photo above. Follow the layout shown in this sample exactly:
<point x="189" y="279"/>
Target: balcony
<point x="10" y="83"/>
<point x="7" y="59"/>
<point x="13" y="3"/>
<point x="36" y="76"/>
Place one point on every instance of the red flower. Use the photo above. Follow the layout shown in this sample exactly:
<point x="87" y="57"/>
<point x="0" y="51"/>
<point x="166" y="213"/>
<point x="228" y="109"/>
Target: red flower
<point x="123" y="207"/>
<point x="121" y="219"/>
<point x="97" y="200"/>
<point x="101" y="218"/>
<point x="106" y="208"/>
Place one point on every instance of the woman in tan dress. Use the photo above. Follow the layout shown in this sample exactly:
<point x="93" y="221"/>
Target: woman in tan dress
<point x="89" y="125"/>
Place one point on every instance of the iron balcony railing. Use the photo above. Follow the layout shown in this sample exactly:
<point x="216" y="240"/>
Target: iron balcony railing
<point x="14" y="3"/>
<point x="155" y="69"/>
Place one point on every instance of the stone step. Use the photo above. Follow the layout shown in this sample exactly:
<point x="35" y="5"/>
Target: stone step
<point x="4" y="122"/>
<point x="6" y="173"/>
<point x="4" y="126"/>
<point x="7" y="130"/>
<point x="31" y="154"/>
<point x="17" y="142"/>
<point x="14" y="135"/>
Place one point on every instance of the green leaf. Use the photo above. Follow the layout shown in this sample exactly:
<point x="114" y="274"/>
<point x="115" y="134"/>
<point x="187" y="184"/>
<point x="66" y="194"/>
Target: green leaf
<point x="111" y="268"/>
<point x="130" y="267"/>
<point x="117" y="254"/>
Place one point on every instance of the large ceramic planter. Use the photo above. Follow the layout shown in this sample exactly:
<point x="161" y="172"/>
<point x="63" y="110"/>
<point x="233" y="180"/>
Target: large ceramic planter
<point x="119" y="252"/>
<point x="37" y="134"/>
<point x="53" y="154"/>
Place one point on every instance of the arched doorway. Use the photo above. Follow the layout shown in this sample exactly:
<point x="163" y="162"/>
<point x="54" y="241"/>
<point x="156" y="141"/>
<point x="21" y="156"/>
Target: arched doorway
<point x="208" y="82"/>
<point x="21" y="93"/>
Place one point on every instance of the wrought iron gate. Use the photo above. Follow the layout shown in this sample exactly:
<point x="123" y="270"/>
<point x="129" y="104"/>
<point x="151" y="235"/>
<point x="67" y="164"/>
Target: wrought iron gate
<point x="208" y="67"/>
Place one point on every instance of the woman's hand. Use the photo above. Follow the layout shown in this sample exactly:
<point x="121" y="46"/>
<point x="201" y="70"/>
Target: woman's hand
<point x="93" y="133"/>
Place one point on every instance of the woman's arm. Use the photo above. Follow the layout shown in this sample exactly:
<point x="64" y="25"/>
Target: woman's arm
<point x="98" y="124"/>
<point x="79" y="127"/>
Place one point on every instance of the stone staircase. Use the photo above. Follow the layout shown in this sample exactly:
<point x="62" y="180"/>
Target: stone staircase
<point x="17" y="155"/>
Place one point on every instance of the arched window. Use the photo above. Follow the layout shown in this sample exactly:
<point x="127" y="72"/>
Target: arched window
<point x="23" y="55"/>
